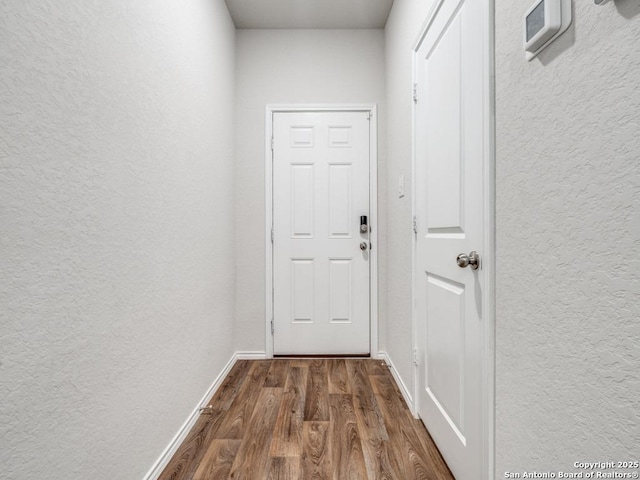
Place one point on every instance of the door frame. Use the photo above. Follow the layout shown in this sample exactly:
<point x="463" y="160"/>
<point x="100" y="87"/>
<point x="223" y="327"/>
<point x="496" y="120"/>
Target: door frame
<point x="373" y="211"/>
<point x="489" y="255"/>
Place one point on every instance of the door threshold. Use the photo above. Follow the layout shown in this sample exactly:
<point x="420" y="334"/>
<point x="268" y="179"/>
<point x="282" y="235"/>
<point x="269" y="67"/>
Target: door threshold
<point x="364" y="355"/>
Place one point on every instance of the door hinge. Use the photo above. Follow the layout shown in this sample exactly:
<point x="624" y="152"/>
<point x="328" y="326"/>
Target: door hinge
<point x="272" y="329"/>
<point x="271" y="234"/>
<point x="416" y="360"/>
<point x="415" y="225"/>
<point x="369" y="115"/>
<point x="272" y="144"/>
<point x="415" y="93"/>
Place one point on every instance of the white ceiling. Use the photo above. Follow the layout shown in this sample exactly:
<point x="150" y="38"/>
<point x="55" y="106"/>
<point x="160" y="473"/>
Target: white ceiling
<point x="309" y="13"/>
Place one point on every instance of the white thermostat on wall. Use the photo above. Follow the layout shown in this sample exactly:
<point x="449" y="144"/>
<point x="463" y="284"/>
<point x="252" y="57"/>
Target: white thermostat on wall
<point x="545" y="21"/>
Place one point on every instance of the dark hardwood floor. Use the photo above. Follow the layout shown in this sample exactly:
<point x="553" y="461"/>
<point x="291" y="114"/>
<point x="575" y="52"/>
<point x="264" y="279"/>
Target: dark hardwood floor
<point x="340" y="419"/>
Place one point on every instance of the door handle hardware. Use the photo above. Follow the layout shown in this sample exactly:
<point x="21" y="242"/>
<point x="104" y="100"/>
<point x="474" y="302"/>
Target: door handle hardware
<point x="473" y="259"/>
<point x="363" y="245"/>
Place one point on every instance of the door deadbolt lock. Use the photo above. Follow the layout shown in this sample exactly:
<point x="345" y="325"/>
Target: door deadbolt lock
<point x="473" y="260"/>
<point x="364" y="227"/>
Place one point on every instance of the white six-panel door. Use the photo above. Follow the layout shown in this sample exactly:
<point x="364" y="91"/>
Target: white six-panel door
<point x="450" y="155"/>
<point x="320" y="272"/>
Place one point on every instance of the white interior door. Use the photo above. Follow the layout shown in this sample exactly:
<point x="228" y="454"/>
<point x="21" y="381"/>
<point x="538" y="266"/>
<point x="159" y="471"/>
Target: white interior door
<point x="320" y="271"/>
<point x="450" y="137"/>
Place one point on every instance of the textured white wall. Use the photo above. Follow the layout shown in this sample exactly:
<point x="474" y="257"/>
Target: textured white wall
<point x="568" y="386"/>
<point x="288" y="66"/>
<point x="568" y="232"/>
<point x="403" y="27"/>
<point x="116" y="224"/>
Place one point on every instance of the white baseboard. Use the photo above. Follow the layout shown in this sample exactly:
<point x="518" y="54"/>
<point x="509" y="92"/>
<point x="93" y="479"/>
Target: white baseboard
<point x="378" y="356"/>
<point x="251" y="355"/>
<point x="177" y="440"/>
<point x="408" y="398"/>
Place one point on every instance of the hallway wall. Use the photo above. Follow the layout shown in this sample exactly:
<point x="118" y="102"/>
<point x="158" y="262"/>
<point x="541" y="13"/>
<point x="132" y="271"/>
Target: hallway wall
<point x="403" y="26"/>
<point x="568" y="216"/>
<point x="287" y="67"/>
<point x="116" y="242"/>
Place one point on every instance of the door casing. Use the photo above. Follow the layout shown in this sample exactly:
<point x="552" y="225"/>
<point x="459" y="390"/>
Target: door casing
<point x="488" y="256"/>
<point x="373" y="211"/>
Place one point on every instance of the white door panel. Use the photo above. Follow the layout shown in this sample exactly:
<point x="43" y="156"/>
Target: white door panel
<point x="320" y="274"/>
<point x="449" y="164"/>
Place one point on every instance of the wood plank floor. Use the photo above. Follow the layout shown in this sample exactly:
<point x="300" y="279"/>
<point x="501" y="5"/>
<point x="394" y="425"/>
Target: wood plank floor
<point x="339" y="419"/>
